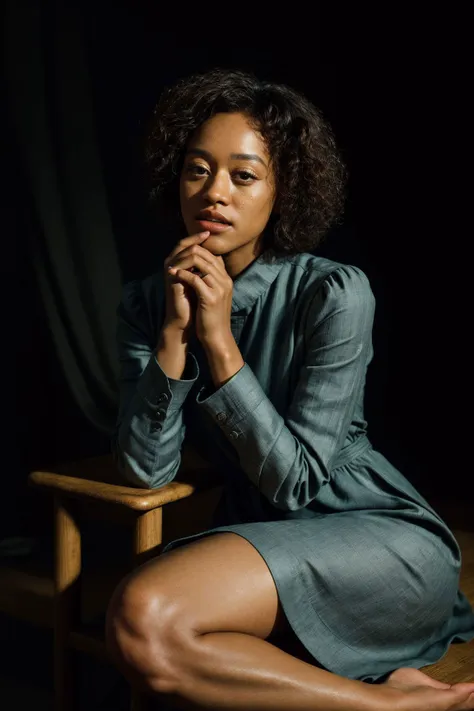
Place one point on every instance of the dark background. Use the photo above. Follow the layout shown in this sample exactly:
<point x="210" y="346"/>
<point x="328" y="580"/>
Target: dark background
<point x="395" y="102"/>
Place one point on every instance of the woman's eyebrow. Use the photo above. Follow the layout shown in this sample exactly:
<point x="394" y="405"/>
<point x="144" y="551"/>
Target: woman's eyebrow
<point x="247" y="156"/>
<point x="234" y="156"/>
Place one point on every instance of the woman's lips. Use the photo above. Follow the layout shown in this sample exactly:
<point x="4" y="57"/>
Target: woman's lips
<point x="213" y="227"/>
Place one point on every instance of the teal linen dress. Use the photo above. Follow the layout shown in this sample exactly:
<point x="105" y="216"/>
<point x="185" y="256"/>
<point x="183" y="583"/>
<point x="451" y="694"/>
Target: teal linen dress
<point x="366" y="571"/>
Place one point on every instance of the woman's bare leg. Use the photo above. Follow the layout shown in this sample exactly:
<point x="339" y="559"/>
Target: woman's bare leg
<point x="194" y="626"/>
<point x="230" y="670"/>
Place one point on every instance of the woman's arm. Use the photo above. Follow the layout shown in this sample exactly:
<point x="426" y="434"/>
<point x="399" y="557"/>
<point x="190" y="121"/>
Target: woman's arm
<point x="171" y="353"/>
<point x="154" y="382"/>
<point x="289" y="459"/>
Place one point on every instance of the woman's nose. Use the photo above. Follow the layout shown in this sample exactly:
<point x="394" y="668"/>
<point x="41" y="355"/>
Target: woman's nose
<point x="217" y="189"/>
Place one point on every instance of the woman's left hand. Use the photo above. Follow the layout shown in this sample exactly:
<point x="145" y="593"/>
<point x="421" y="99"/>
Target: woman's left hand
<point x="213" y="290"/>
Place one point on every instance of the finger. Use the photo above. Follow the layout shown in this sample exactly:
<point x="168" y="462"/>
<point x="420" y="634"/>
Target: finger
<point x="211" y="259"/>
<point x="194" y="260"/>
<point x="196" y="249"/>
<point x="192" y="239"/>
<point x="194" y="281"/>
<point x="187" y="242"/>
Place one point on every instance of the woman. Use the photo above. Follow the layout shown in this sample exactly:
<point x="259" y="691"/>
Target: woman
<point x="257" y="351"/>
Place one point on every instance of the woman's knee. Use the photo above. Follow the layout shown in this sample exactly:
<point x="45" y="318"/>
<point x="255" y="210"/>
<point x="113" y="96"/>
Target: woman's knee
<point x="141" y="635"/>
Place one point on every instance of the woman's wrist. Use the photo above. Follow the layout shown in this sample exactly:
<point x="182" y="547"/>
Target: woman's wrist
<point x="174" y="334"/>
<point x="172" y="351"/>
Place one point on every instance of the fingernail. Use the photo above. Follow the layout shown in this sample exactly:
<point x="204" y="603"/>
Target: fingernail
<point x="205" y="234"/>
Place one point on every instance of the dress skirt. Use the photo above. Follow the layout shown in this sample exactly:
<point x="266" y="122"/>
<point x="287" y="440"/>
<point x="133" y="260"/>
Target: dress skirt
<point x="365" y="592"/>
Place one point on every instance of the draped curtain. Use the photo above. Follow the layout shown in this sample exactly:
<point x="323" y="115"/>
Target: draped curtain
<point x="74" y="252"/>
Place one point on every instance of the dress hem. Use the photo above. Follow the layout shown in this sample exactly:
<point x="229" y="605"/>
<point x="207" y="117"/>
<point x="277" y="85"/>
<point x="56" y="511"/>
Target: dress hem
<point x="336" y="661"/>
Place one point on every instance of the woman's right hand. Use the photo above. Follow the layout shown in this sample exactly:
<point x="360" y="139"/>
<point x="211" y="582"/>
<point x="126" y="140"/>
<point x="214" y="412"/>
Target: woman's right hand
<point x="180" y="298"/>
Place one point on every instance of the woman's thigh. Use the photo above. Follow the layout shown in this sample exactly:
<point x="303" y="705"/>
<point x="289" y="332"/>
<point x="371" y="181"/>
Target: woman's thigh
<point x="217" y="583"/>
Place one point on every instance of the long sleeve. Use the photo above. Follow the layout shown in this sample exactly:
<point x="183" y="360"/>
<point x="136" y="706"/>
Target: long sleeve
<point x="150" y="430"/>
<point x="289" y="459"/>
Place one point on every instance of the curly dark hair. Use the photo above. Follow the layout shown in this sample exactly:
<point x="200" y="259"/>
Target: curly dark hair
<point x="310" y="174"/>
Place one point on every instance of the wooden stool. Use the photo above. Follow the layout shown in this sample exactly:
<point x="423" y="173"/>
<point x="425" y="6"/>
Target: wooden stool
<point x="89" y="487"/>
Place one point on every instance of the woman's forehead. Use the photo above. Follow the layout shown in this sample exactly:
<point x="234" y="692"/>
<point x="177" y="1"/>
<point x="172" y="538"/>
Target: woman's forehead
<point x="230" y="134"/>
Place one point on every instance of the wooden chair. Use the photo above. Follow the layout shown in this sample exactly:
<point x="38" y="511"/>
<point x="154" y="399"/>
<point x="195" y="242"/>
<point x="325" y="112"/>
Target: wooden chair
<point x="92" y="488"/>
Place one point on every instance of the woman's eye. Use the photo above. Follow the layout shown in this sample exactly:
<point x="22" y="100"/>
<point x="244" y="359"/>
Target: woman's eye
<point x="246" y="176"/>
<point x="199" y="170"/>
<point x="193" y="169"/>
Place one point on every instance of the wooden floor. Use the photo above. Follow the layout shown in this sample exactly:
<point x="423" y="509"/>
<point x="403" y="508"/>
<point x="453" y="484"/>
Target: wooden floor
<point x="458" y="664"/>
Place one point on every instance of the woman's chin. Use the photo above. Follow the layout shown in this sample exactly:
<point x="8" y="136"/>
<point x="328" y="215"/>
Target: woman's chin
<point x="216" y="243"/>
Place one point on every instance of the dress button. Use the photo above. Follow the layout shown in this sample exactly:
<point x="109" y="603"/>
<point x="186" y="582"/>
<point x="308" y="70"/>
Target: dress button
<point x="221" y="417"/>
<point x="161" y="414"/>
<point x="233" y="434"/>
<point x="162" y="397"/>
<point x="156" y="426"/>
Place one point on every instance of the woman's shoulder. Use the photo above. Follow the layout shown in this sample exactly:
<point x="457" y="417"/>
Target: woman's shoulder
<point x="334" y="289"/>
<point x="317" y="272"/>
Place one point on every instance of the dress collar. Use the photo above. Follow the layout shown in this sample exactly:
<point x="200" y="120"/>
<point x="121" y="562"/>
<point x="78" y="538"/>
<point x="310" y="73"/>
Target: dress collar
<point x="254" y="280"/>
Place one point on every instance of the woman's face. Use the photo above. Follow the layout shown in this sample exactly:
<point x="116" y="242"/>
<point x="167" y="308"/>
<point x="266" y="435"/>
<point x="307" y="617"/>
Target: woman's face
<point x="227" y="170"/>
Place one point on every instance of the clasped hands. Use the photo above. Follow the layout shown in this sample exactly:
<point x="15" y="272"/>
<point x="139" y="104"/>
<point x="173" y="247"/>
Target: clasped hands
<point x="213" y="290"/>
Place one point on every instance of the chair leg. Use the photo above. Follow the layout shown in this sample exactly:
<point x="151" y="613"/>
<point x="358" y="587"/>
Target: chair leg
<point x="67" y="580"/>
<point x="147" y="536"/>
<point x="147" y="539"/>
